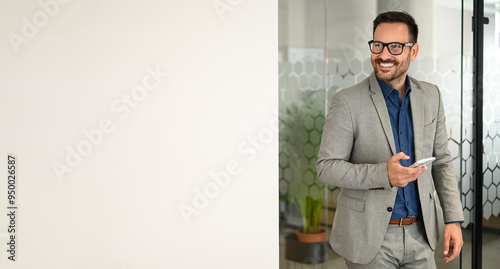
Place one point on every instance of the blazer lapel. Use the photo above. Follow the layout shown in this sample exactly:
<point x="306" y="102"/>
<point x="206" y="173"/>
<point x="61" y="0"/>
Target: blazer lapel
<point x="417" y="103"/>
<point x="381" y="107"/>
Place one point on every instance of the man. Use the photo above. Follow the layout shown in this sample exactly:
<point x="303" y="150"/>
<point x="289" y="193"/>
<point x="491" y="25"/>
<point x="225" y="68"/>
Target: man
<point x="387" y="212"/>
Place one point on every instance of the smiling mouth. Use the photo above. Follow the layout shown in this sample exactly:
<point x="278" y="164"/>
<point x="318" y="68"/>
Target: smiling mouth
<point x="386" y="64"/>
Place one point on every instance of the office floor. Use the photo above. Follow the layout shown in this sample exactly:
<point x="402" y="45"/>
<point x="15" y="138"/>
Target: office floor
<point x="491" y="255"/>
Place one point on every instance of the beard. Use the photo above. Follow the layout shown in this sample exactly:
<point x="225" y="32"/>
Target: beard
<point x="396" y="74"/>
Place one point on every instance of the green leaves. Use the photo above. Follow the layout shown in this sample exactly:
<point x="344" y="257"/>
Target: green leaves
<point x="310" y="209"/>
<point x="301" y="123"/>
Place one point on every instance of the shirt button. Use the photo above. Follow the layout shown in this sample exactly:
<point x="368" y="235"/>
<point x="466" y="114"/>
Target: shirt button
<point x="389" y="209"/>
<point x="401" y="132"/>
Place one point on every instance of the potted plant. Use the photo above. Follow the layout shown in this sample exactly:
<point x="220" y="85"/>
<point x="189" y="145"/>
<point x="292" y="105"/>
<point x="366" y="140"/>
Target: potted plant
<point x="301" y="123"/>
<point x="310" y="209"/>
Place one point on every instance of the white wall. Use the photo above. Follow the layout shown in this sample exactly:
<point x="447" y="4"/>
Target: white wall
<point x="211" y="67"/>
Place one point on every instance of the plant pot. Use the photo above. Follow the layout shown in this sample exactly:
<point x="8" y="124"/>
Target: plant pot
<point x="310" y="238"/>
<point x="306" y="253"/>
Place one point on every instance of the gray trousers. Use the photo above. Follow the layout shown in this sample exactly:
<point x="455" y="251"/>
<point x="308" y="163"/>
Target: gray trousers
<point x="403" y="247"/>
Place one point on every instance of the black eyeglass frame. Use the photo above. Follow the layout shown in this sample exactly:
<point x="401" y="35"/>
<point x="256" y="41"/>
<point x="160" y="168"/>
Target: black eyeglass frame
<point x="409" y="44"/>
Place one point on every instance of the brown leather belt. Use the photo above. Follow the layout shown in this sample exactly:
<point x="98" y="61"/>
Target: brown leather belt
<point x="405" y="221"/>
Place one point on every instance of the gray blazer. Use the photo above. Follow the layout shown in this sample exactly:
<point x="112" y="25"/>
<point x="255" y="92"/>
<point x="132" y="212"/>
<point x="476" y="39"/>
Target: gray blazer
<point x="356" y="144"/>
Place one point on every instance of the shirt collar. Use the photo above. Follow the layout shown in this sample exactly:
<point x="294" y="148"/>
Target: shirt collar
<point x="386" y="89"/>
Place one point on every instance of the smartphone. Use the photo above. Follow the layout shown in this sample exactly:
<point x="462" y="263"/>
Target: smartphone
<point x="423" y="162"/>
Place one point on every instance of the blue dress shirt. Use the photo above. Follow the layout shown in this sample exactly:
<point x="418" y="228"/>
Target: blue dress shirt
<point x="407" y="202"/>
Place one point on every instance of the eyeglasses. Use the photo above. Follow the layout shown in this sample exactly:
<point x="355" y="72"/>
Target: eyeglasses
<point x="394" y="48"/>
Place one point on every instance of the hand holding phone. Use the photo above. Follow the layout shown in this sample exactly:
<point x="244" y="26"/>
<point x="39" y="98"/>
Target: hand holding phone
<point x="422" y="162"/>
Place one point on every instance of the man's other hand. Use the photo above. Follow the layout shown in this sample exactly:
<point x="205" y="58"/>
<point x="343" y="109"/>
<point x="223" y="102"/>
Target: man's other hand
<point x="453" y="241"/>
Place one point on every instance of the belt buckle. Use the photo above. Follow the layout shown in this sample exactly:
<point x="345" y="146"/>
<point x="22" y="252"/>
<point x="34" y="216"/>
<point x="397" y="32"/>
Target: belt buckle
<point x="400" y="221"/>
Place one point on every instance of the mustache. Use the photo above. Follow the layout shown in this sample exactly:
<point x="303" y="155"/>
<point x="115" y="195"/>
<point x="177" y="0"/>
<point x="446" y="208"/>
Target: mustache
<point x="386" y="61"/>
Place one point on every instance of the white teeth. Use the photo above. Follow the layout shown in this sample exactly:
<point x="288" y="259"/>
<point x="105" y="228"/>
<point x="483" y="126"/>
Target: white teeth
<point x="386" y="65"/>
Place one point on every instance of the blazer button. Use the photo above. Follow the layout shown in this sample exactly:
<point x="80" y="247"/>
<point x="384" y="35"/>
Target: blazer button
<point x="389" y="209"/>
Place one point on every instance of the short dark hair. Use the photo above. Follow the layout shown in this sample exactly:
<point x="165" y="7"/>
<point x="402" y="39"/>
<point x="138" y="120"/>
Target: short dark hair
<point x="396" y="16"/>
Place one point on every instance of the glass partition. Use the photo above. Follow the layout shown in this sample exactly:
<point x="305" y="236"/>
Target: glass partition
<point x="302" y="67"/>
<point x="323" y="49"/>
<point x="491" y="137"/>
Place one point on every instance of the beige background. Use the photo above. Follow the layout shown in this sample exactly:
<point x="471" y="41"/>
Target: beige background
<point x="119" y="206"/>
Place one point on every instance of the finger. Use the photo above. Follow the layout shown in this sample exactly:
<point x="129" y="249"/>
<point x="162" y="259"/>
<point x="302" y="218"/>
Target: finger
<point x="446" y="249"/>
<point x="453" y="254"/>
<point x="400" y="156"/>
<point x="403" y="156"/>
<point x="416" y="172"/>
<point x="446" y="245"/>
<point x="447" y="257"/>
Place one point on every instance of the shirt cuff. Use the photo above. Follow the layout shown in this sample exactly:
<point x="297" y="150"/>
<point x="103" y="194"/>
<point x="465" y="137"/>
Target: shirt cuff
<point x="461" y="221"/>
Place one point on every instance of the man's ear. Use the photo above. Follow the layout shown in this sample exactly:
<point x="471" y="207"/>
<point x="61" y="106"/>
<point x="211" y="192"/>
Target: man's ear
<point x="414" y="51"/>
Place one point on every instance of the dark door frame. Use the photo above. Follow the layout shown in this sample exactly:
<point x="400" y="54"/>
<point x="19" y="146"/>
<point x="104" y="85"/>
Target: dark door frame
<point x="478" y="22"/>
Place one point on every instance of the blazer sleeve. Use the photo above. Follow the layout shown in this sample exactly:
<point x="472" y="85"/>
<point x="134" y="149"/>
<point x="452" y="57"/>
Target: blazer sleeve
<point x="442" y="170"/>
<point x="335" y="166"/>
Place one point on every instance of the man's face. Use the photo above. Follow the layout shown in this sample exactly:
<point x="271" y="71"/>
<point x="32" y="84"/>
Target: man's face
<point x="392" y="69"/>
